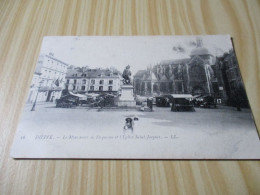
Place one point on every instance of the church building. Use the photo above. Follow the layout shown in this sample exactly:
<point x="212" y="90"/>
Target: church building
<point x="200" y="74"/>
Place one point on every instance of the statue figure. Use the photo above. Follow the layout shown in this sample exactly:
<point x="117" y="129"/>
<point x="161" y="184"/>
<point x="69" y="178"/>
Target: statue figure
<point x="127" y="76"/>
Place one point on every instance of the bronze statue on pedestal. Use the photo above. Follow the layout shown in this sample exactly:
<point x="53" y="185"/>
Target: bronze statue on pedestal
<point x="127" y="76"/>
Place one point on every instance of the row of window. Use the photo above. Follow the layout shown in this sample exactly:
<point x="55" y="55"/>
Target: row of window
<point x="100" y="75"/>
<point x="51" y="74"/>
<point x="101" y="82"/>
<point x="56" y="65"/>
<point x="110" y="82"/>
<point x="83" y="88"/>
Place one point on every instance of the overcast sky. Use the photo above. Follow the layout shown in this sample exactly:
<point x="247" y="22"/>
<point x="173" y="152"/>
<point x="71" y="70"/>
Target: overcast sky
<point x="119" y="51"/>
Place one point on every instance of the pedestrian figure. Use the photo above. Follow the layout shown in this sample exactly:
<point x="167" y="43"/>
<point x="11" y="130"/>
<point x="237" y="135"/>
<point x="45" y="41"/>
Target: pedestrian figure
<point x="129" y="124"/>
<point x="150" y="103"/>
<point x="101" y="102"/>
<point x="237" y="100"/>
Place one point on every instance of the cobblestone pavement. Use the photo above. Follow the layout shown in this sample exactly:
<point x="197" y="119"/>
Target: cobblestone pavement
<point x="205" y="133"/>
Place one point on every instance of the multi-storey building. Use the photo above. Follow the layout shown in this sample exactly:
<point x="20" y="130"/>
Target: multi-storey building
<point x="231" y="80"/>
<point x="93" y="81"/>
<point x="34" y="86"/>
<point x="48" y="79"/>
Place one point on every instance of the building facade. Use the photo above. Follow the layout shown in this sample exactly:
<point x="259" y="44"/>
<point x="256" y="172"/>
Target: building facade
<point x="194" y="75"/>
<point x="231" y="78"/>
<point x="93" y="81"/>
<point x="201" y="74"/>
<point x="48" y="80"/>
<point x="34" y="87"/>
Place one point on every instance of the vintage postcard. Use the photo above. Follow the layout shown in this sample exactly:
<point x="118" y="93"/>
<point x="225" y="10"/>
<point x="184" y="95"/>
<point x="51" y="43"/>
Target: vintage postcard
<point x="137" y="97"/>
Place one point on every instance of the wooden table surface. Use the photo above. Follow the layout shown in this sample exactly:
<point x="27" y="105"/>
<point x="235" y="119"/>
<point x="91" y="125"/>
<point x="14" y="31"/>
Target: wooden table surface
<point x="23" y="23"/>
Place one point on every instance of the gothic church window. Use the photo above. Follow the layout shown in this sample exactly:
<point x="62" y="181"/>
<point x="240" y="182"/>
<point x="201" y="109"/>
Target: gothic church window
<point x="197" y="73"/>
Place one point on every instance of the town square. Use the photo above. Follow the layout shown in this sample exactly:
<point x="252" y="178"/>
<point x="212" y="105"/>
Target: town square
<point x="191" y="130"/>
<point x="191" y="104"/>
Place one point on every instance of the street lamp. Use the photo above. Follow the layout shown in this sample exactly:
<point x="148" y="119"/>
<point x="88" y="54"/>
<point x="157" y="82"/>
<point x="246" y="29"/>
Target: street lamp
<point x="34" y="104"/>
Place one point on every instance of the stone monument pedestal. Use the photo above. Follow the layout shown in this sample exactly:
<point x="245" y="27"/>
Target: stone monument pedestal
<point x="127" y="96"/>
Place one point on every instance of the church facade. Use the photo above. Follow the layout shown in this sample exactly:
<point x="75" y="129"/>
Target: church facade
<point x="201" y="74"/>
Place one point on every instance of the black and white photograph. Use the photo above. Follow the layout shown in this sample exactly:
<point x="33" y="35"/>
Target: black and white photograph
<point x="137" y="97"/>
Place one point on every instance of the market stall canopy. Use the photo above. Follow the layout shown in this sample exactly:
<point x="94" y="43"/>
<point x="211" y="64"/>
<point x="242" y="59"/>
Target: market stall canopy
<point x="92" y="95"/>
<point x="78" y="95"/>
<point x="181" y="95"/>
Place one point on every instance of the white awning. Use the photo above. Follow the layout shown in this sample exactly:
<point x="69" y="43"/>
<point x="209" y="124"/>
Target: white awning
<point x="181" y="95"/>
<point x="78" y="95"/>
<point x="92" y="95"/>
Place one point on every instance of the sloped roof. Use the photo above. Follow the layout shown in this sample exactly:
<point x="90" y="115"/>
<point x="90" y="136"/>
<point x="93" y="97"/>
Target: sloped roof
<point x="174" y="61"/>
<point x="71" y="72"/>
<point x="145" y="75"/>
<point x="100" y="72"/>
<point x="164" y="78"/>
<point x="199" y="51"/>
<point x="151" y="76"/>
<point x="91" y="73"/>
<point x="51" y="57"/>
<point x="140" y="73"/>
